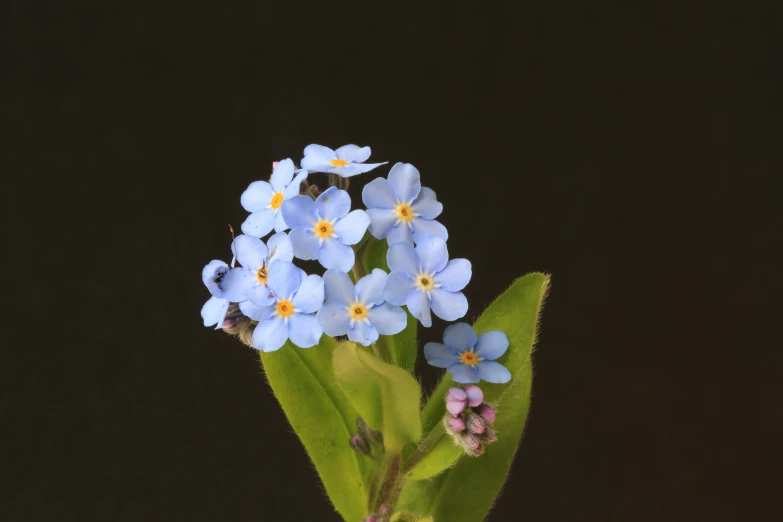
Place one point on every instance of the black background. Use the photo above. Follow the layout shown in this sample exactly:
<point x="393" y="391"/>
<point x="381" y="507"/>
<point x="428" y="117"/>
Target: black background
<point x="632" y="151"/>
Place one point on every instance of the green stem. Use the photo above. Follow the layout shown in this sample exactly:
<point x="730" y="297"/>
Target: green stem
<point x="391" y="484"/>
<point x="425" y="446"/>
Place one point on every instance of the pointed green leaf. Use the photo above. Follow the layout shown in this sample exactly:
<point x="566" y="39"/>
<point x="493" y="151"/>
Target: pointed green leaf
<point x="467" y="491"/>
<point x="324" y="420"/>
<point x="442" y="456"/>
<point x="386" y="397"/>
<point x="400" y="349"/>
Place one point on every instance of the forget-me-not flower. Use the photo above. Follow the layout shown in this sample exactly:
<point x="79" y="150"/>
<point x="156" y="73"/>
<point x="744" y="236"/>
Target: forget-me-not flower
<point x="323" y="229"/>
<point x="423" y="278"/>
<point x="265" y="199"/>
<point x="360" y="311"/>
<point x="214" y="310"/>
<point x="400" y="209"/>
<point x="467" y="357"/>
<point x="346" y="161"/>
<point x="251" y="279"/>
<point x="292" y="316"/>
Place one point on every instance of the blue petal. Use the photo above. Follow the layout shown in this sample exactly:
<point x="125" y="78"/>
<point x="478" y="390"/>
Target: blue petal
<point x="405" y="180"/>
<point x="299" y="212"/>
<point x="333" y="203"/>
<point x="455" y="276"/>
<point x="338" y="288"/>
<point x="236" y="283"/>
<point x="283" y="278"/>
<point x="419" y="307"/>
<point x="256" y="312"/>
<point x="492" y="345"/>
<point x="381" y="220"/>
<point x="280" y="224"/>
<point x="304" y="330"/>
<point x="439" y="355"/>
<point x="334" y="319"/>
<point x="449" y="306"/>
<point x="214" y="312"/>
<point x="402" y="257"/>
<point x="280" y="248"/>
<point x="491" y="371"/>
<point x="350" y="229"/>
<point x="462" y="373"/>
<point x="397" y="288"/>
<point x="399" y="234"/>
<point x="251" y="252"/>
<point x="270" y="334"/>
<point x="459" y="337"/>
<point x="310" y="296"/>
<point x="353" y="153"/>
<point x="353" y="169"/>
<point x="260" y="295"/>
<point x="212" y="275"/>
<point x="316" y="156"/>
<point x="335" y="255"/>
<point x="257" y="196"/>
<point x="304" y="243"/>
<point x="369" y="289"/>
<point x="387" y="319"/>
<point x="433" y="254"/>
<point x="259" y="224"/>
<point x="423" y="229"/>
<point x="363" y="333"/>
<point x="282" y="175"/>
<point x="293" y="188"/>
<point x="379" y="194"/>
<point x="427" y="205"/>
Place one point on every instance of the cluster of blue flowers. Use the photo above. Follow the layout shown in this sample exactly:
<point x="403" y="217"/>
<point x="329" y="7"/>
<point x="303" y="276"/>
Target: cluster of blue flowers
<point x="289" y="304"/>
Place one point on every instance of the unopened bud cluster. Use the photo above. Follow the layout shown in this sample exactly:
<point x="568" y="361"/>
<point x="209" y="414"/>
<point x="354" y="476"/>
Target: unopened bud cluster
<point x="366" y="439"/>
<point x="469" y="419"/>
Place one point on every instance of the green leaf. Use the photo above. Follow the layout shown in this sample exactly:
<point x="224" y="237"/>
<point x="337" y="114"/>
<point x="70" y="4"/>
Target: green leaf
<point x="442" y="455"/>
<point x="386" y="397"/>
<point x="467" y="491"/>
<point x="400" y="349"/>
<point x="324" y="420"/>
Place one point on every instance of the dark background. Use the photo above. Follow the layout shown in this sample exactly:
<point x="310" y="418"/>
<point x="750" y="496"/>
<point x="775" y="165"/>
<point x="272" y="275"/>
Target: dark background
<point x="632" y="151"/>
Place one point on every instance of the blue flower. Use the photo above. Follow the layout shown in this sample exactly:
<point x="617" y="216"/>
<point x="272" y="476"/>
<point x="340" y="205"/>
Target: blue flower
<point x="424" y="278"/>
<point x="469" y="358"/>
<point x="292" y="316"/>
<point x="323" y="229"/>
<point x="265" y="199"/>
<point x="346" y="161"/>
<point x="250" y="280"/>
<point x="214" y="310"/>
<point x="361" y="311"/>
<point x="400" y="209"/>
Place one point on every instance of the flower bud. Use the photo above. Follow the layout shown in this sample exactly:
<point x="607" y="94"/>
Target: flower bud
<point x="453" y="425"/>
<point x="456" y="401"/>
<point x="370" y="435"/>
<point x="360" y="444"/>
<point x="475" y="395"/>
<point x="488" y="437"/>
<point x="475" y="424"/>
<point x="487" y="412"/>
<point x="472" y="445"/>
<point x="385" y="511"/>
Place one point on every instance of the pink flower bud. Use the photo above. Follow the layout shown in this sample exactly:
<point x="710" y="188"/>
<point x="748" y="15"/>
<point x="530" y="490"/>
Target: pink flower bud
<point x="456" y="401"/>
<point x="488" y="437"/>
<point x="360" y="445"/>
<point x="454" y="425"/>
<point x="385" y="511"/>
<point x="475" y="424"/>
<point x="472" y="445"/>
<point x="488" y="413"/>
<point x="475" y="395"/>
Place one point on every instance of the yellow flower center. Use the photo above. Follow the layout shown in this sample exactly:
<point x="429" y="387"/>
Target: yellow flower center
<point x="357" y="311"/>
<point x="323" y="229"/>
<point x="425" y="282"/>
<point x="285" y="308"/>
<point x="469" y="358"/>
<point x="338" y="163"/>
<point x="404" y="212"/>
<point x="277" y="200"/>
<point x="261" y="275"/>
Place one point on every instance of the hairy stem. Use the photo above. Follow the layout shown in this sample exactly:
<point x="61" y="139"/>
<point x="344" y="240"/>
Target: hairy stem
<point x="390" y="486"/>
<point x="425" y="446"/>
